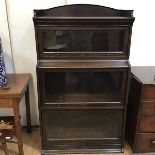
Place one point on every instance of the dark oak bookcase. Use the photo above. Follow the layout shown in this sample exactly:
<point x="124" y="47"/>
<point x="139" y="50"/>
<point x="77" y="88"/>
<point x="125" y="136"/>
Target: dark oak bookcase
<point x="83" y="75"/>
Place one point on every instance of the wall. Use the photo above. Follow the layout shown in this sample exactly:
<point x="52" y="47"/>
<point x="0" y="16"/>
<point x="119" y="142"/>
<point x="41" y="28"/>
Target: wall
<point x="23" y="38"/>
<point x="23" y="43"/>
<point x="142" y="46"/>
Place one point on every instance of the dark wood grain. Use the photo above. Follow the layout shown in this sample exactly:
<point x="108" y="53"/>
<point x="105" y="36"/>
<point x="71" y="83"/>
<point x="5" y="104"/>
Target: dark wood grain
<point x="144" y="142"/>
<point x="133" y="110"/>
<point x="83" y="73"/>
<point x="83" y="10"/>
<point x="85" y="18"/>
<point x="85" y="64"/>
<point x="146" y="124"/>
<point x="141" y="114"/>
<point x="28" y="112"/>
<point x="148" y="92"/>
<point x="147" y="108"/>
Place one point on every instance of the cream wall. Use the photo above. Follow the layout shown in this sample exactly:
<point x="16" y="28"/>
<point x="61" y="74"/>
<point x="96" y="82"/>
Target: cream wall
<point x="23" y="38"/>
<point x="23" y="43"/>
<point x="143" y="36"/>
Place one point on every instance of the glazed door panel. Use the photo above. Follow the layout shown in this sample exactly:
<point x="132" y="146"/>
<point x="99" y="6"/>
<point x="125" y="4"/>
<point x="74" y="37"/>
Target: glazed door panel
<point x="80" y="42"/>
<point x="76" y="126"/>
<point x="62" y="87"/>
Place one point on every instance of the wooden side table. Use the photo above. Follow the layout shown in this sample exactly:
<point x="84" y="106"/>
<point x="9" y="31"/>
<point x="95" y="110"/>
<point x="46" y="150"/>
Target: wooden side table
<point x="10" y="97"/>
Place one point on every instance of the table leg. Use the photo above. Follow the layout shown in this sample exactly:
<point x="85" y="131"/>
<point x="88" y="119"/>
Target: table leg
<point x="28" y="114"/>
<point x="4" y="146"/>
<point x="17" y="126"/>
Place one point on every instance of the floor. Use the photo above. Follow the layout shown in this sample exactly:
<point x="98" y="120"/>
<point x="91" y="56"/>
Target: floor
<point x="32" y="145"/>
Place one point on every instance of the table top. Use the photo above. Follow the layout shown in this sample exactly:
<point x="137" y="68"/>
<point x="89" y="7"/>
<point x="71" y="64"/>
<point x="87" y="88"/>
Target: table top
<point x="146" y="74"/>
<point x="16" y="85"/>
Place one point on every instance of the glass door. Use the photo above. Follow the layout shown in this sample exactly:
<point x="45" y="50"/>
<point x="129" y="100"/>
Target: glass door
<point x="83" y="87"/>
<point x="85" y="42"/>
<point x="78" y="125"/>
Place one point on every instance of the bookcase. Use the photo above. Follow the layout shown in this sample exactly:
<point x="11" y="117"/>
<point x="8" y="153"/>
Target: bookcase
<point x="83" y="75"/>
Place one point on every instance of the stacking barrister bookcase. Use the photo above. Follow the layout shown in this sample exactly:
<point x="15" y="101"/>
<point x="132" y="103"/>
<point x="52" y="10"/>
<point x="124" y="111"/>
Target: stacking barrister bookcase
<point x="83" y="74"/>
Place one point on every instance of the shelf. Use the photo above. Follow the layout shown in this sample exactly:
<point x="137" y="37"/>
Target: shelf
<point x="84" y="64"/>
<point x="83" y="97"/>
<point x="82" y="86"/>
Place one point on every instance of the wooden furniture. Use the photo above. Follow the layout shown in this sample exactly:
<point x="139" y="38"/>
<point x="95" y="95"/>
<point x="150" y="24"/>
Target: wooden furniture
<point x="140" y="127"/>
<point x="6" y="130"/>
<point x="83" y="73"/>
<point x="3" y="142"/>
<point x="10" y="98"/>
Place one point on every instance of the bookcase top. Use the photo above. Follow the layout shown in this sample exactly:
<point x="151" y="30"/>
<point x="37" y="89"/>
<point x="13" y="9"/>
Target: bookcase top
<point x="83" y="11"/>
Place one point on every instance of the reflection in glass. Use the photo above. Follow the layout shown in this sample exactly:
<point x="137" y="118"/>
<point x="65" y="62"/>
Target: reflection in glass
<point x="83" y="41"/>
<point x="70" y="124"/>
<point x="83" y="86"/>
